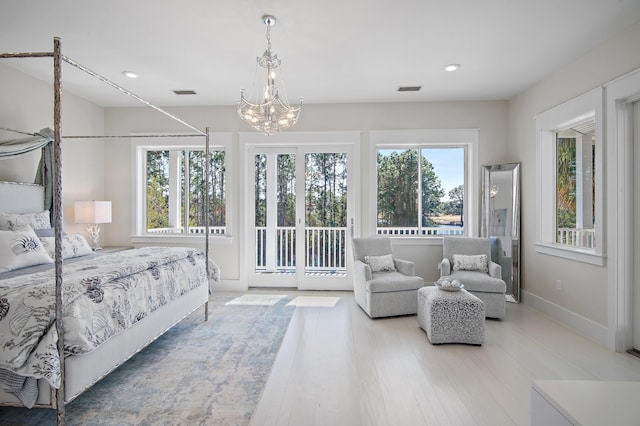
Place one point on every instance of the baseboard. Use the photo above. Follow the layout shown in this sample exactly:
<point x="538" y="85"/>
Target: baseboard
<point x="229" y="285"/>
<point x="581" y="325"/>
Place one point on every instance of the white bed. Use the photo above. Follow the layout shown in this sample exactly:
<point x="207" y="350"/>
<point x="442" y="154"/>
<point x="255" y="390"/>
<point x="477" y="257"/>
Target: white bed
<point x="82" y="371"/>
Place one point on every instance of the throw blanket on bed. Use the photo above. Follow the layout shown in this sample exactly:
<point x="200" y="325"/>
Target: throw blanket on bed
<point x="102" y="297"/>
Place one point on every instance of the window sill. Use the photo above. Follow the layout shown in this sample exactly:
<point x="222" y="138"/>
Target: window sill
<point x="180" y="239"/>
<point x="584" y="256"/>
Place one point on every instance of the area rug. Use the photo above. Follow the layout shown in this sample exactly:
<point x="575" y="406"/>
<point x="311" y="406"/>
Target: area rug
<point x="210" y="373"/>
<point x="256" y="299"/>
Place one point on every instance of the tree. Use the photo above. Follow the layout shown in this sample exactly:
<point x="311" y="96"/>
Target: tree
<point x="456" y="201"/>
<point x="566" y="182"/>
<point x="398" y="189"/>
<point x="157" y="189"/>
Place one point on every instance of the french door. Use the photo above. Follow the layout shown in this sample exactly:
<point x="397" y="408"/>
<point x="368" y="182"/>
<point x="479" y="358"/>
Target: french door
<point x="301" y="214"/>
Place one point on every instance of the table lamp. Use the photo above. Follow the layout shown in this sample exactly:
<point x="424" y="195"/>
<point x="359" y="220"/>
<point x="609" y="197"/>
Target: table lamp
<point x="93" y="213"/>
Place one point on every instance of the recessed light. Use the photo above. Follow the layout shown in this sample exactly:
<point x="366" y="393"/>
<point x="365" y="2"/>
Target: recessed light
<point x="452" y="67"/>
<point x="130" y="74"/>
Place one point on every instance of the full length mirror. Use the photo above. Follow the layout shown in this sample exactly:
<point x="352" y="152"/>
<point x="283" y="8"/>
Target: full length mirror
<point x="501" y="221"/>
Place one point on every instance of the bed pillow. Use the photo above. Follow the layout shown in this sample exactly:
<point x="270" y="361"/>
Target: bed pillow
<point x="380" y="263"/>
<point x="21" y="248"/>
<point x="73" y="245"/>
<point x="45" y="232"/>
<point x="478" y="263"/>
<point x="12" y="221"/>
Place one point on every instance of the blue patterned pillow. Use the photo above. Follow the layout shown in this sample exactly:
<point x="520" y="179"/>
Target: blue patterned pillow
<point x="21" y="248"/>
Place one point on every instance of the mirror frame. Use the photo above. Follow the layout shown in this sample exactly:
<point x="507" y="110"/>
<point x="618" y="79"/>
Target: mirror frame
<point x="488" y="212"/>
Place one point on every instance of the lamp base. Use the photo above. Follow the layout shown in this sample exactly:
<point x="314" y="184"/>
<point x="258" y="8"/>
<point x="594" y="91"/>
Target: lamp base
<point x="94" y="233"/>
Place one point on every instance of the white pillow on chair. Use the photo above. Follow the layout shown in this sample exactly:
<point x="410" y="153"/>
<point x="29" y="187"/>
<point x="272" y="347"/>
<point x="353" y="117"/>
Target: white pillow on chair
<point x="479" y="263"/>
<point x="380" y="263"/>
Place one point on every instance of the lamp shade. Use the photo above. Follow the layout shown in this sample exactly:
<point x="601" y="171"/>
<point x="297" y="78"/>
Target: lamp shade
<point x="92" y="211"/>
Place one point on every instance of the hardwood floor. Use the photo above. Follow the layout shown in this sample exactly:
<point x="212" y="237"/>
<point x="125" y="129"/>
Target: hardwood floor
<point x="337" y="366"/>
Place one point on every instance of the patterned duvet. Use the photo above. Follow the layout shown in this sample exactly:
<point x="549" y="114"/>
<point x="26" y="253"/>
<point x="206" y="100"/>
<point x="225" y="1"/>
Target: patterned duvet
<point x="102" y="297"/>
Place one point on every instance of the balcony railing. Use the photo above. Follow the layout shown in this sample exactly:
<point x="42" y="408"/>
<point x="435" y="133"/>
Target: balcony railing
<point x="581" y="238"/>
<point x="325" y="249"/>
<point x="215" y="230"/>
<point x="424" y="231"/>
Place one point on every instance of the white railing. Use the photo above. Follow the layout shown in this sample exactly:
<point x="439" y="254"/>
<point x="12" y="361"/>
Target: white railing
<point x="325" y="249"/>
<point x="424" y="231"/>
<point x="216" y="230"/>
<point x="582" y="238"/>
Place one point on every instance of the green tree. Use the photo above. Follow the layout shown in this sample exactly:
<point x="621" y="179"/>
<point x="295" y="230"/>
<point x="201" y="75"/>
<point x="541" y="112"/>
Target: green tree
<point x="157" y="189"/>
<point x="456" y="201"/>
<point x="566" y="182"/>
<point x="398" y="189"/>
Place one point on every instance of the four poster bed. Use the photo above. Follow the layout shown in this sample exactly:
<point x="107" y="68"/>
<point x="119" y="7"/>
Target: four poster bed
<point x="61" y="333"/>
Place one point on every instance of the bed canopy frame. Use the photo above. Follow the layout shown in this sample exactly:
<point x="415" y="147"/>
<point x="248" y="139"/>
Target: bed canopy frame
<point x="58" y="402"/>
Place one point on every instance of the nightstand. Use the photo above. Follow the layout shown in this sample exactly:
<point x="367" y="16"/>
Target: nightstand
<point x="114" y="249"/>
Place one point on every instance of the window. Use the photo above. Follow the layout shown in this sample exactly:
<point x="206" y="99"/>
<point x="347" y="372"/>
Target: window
<point x="575" y="186"/>
<point x="421" y="187"/>
<point x="170" y="199"/>
<point x="569" y="195"/>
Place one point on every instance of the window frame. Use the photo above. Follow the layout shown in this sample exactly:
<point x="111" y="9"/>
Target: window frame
<point x="140" y="147"/>
<point x="582" y="108"/>
<point x="467" y="139"/>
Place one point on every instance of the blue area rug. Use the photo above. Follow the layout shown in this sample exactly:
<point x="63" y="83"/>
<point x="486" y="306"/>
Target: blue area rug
<point x="198" y="372"/>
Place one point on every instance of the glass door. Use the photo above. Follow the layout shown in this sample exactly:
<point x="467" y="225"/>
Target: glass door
<point x="301" y="212"/>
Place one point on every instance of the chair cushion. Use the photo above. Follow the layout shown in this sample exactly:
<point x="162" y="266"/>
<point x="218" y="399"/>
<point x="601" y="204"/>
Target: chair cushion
<point x="479" y="281"/>
<point x="384" y="282"/>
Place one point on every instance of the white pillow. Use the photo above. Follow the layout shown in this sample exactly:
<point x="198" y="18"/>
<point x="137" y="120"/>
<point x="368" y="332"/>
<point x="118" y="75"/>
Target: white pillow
<point x="73" y="245"/>
<point x="13" y="221"/>
<point x="380" y="263"/>
<point x="21" y="248"/>
<point x="477" y="262"/>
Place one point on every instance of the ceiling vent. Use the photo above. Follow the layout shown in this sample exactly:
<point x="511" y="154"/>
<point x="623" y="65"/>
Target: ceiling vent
<point x="184" y="92"/>
<point x="409" y="88"/>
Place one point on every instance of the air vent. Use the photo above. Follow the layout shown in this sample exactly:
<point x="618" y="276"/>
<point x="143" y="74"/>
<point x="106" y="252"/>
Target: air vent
<point x="409" y="88"/>
<point x="184" y="92"/>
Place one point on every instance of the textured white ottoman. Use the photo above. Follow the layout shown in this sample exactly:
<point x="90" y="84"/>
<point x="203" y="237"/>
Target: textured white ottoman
<point x="451" y="316"/>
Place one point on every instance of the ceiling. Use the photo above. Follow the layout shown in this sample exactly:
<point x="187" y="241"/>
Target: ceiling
<point x="332" y="51"/>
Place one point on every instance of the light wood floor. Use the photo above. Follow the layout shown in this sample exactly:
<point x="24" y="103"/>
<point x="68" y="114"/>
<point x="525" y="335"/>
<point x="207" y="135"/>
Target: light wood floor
<point x="337" y="366"/>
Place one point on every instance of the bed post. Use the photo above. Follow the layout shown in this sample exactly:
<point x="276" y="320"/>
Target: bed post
<point x="57" y="216"/>
<point x="206" y="221"/>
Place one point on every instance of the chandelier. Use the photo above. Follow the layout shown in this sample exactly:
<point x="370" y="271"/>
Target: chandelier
<point x="268" y="111"/>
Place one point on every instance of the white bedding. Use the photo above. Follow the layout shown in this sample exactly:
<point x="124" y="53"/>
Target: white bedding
<point x="102" y="298"/>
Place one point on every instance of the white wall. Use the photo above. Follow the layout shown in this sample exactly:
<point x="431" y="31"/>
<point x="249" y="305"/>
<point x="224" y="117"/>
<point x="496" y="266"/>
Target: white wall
<point x="26" y="104"/>
<point x="489" y="117"/>
<point x="582" y="301"/>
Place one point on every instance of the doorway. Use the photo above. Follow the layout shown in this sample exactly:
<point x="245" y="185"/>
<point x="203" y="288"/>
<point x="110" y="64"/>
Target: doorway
<point x="301" y="210"/>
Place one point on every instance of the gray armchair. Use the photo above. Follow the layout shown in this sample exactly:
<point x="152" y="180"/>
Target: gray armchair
<point x="487" y="286"/>
<point x="383" y="293"/>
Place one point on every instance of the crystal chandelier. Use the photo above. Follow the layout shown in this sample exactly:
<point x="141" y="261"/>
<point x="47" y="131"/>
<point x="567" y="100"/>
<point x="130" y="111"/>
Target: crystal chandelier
<point x="270" y="112"/>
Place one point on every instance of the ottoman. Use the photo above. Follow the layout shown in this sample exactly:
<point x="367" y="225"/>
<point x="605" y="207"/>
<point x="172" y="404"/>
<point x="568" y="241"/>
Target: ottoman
<point x="451" y="316"/>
